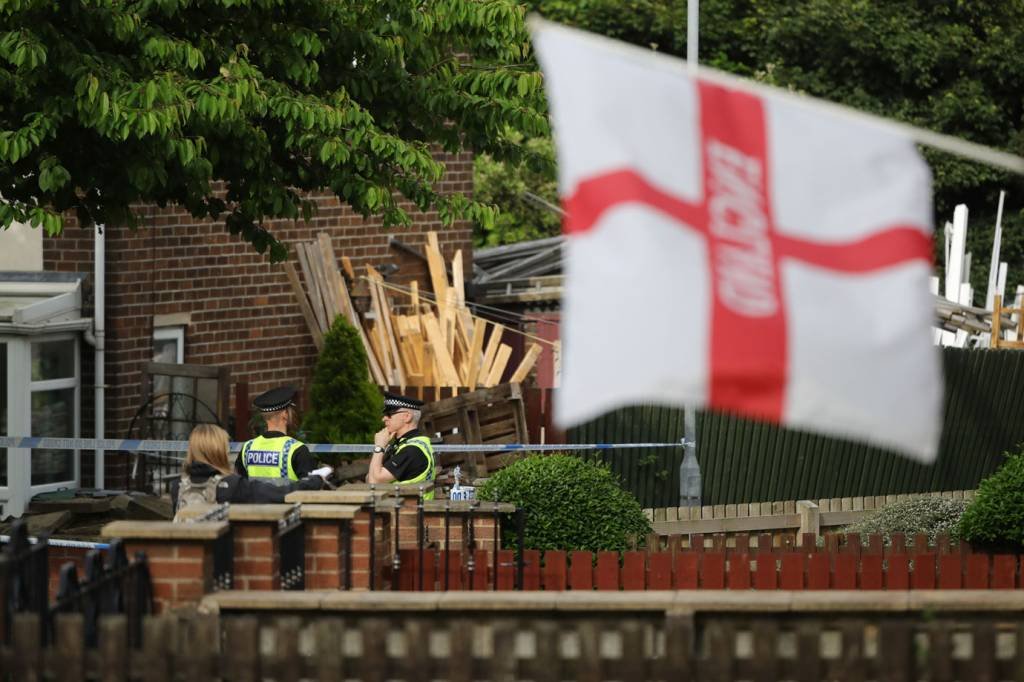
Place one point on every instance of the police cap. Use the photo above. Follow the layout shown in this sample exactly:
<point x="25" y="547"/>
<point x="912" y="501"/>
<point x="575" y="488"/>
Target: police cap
<point x="393" y="403"/>
<point x="276" y="399"/>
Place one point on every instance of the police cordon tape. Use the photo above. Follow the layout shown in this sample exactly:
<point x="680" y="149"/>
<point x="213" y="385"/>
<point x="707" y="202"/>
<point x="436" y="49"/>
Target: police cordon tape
<point x="53" y="542"/>
<point x="129" y="445"/>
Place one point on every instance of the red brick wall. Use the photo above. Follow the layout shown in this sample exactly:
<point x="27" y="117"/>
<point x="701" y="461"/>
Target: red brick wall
<point x="243" y="313"/>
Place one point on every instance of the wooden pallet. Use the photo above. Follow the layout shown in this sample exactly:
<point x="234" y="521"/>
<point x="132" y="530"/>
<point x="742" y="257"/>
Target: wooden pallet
<point x="489" y="416"/>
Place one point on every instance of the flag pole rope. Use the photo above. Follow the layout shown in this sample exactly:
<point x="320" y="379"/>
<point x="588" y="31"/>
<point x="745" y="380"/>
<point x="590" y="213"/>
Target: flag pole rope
<point x="947" y="143"/>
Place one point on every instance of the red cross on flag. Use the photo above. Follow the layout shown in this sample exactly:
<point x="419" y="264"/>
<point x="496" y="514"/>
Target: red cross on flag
<point x="738" y="250"/>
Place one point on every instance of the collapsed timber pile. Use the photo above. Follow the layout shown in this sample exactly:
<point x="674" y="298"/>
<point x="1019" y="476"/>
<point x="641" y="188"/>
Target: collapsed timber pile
<point x="411" y="338"/>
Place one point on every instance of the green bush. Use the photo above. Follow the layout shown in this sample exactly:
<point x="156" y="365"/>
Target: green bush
<point x="931" y="515"/>
<point x="571" y="504"/>
<point x="345" y="405"/>
<point x="996" y="515"/>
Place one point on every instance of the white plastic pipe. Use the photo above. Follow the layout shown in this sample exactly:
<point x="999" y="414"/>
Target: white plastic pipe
<point x="99" y="331"/>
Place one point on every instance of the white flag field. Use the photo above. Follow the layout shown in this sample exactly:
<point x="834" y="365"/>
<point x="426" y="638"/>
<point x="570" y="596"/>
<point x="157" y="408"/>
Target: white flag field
<point x="734" y="249"/>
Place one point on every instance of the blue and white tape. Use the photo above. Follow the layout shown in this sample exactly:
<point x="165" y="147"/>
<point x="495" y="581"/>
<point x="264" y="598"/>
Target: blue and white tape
<point x="154" y="446"/>
<point x="54" y="542"/>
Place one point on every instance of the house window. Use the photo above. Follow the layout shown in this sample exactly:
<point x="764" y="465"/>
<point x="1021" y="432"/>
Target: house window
<point x="169" y="345"/>
<point x="54" y="406"/>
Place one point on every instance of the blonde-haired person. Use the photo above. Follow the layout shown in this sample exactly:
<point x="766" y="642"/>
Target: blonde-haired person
<point x="207" y="478"/>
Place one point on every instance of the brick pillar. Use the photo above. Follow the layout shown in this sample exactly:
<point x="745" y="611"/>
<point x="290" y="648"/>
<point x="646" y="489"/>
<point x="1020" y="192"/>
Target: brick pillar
<point x="180" y="556"/>
<point x="381" y="552"/>
<point x="367" y="498"/>
<point x="325" y="526"/>
<point x="257" y="550"/>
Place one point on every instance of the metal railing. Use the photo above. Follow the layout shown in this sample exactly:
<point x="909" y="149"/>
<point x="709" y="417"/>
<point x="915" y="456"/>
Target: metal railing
<point x="112" y="584"/>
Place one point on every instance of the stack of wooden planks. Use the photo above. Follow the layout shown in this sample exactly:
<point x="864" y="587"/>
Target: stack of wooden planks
<point x="409" y="339"/>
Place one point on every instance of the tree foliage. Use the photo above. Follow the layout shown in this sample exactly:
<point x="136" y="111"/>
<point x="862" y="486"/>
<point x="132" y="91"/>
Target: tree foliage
<point x="345" y="404"/>
<point x="105" y="104"/>
<point x="509" y="185"/>
<point x="947" y="65"/>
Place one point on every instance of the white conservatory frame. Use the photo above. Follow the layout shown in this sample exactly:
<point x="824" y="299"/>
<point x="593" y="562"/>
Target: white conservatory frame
<point x="37" y="308"/>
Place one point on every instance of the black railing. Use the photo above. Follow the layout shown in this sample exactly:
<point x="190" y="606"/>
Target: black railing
<point x="292" y="544"/>
<point x="454" y="514"/>
<point x="223" y="548"/>
<point x="115" y="585"/>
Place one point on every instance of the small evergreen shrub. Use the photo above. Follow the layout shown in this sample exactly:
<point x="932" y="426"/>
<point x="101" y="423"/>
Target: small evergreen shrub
<point x="995" y="517"/>
<point x="931" y="515"/>
<point x="345" y="404"/>
<point x="571" y="504"/>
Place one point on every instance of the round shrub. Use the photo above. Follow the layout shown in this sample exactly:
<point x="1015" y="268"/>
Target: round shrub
<point x="345" y="405"/>
<point x="571" y="504"/>
<point x="996" y="515"/>
<point x="931" y="515"/>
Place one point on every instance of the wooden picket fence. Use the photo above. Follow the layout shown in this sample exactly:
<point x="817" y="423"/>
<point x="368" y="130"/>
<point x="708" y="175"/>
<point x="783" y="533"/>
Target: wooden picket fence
<point x="780" y="518"/>
<point x="843" y="563"/>
<point x="335" y="635"/>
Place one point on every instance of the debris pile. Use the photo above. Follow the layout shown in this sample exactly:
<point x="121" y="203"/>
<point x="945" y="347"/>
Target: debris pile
<point x="411" y="339"/>
<point x="81" y="514"/>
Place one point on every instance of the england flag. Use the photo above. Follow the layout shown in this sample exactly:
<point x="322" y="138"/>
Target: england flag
<point x="739" y="250"/>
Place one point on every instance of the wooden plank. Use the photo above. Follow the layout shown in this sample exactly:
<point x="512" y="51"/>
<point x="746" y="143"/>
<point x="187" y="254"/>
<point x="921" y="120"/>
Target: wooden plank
<point x="458" y="282"/>
<point x="475" y="353"/>
<point x="448" y="375"/>
<point x="380" y="329"/>
<point x="385" y="311"/>
<point x="334" y="280"/>
<point x="529" y="360"/>
<point x="353" y="318"/>
<point x="438" y="276"/>
<point x="312" y="290"/>
<point x="498" y="368"/>
<point x="314" y="253"/>
<point x="491" y="352"/>
<point x="446" y="318"/>
<point x="414" y="297"/>
<point x="304" y="307"/>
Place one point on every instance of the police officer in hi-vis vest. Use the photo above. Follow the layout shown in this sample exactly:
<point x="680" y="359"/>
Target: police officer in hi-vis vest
<point x="401" y="454"/>
<point x="275" y="456"/>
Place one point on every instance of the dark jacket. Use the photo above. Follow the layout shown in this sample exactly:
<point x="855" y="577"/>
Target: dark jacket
<point x="243" y="490"/>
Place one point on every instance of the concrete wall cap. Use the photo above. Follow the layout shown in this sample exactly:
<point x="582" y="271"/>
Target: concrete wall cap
<point x="460" y="506"/>
<point x="329" y="511"/>
<point x="164" y="530"/>
<point x="340" y="496"/>
<point x="259" y="512"/>
<point x="677" y="602"/>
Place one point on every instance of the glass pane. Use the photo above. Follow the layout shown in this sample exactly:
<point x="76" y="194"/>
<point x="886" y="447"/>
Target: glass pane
<point x="3" y="412"/>
<point x="53" y="414"/>
<point x="53" y="360"/>
<point x="165" y="350"/>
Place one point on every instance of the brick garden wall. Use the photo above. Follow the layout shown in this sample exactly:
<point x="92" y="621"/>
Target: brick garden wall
<point x="242" y="311"/>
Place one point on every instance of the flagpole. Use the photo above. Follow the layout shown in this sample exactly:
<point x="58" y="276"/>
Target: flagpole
<point x="692" y="33"/>
<point x="947" y="143"/>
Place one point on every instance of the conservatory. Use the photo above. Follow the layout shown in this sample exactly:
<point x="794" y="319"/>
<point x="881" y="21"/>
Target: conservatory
<point x="41" y="331"/>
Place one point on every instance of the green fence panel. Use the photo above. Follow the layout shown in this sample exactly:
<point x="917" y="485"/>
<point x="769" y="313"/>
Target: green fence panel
<point x="746" y="461"/>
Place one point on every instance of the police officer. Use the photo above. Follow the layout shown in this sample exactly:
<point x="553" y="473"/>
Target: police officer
<point x="275" y="456"/>
<point x="401" y="454"/>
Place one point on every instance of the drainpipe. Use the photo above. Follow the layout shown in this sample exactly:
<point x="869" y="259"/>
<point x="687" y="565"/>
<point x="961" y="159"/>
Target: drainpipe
<point x="99" y="327"/>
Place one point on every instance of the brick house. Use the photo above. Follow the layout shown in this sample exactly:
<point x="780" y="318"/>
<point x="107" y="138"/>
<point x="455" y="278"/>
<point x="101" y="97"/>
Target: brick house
<point x="190" y="292"/>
